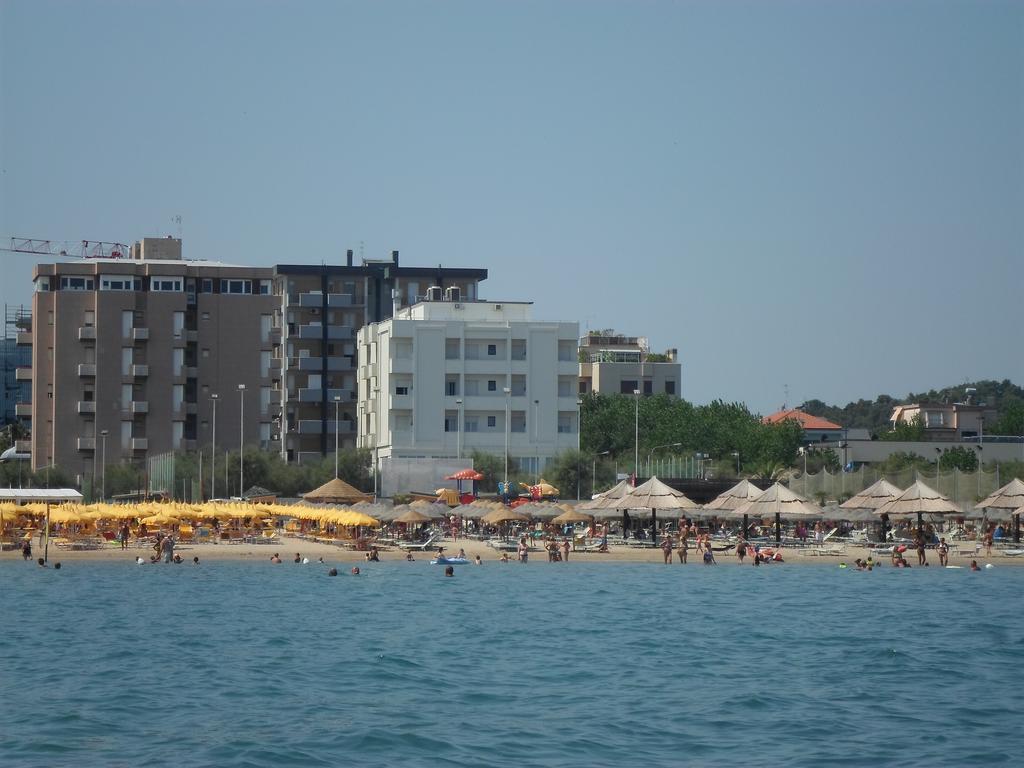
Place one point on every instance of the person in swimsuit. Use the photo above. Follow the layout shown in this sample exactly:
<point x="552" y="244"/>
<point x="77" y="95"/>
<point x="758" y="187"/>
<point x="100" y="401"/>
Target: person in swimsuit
<point x="943" y="550"/>
<point x="666" y="548"/>
<point x="565" y="549"/>
<point x="524" y="551"/>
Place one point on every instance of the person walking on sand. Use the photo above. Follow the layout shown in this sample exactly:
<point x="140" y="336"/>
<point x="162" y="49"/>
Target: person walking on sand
<point x="943" y="550"/>
<point x="666" y="548"/>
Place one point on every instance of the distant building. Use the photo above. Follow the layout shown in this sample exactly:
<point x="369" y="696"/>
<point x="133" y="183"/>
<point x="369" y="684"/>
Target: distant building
<point x="438" y="379"/>
<point x="946" y="421"/>
<point x="816" y="429"/>
<point x="611" y="363"/>
<point x="15" y="353"/>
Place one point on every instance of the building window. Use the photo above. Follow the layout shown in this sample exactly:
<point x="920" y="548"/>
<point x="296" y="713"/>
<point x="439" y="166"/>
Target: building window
<point x="76" y="283"/>
<point x="492" y="421"/>
<point x="470" y="424"/>
<point x="583" y="387"/>
<point x="206" y="286"/>
<point x="165" y="284"/>
<point x="401" y="390"/>
<point x="450" y="388"/>
<point x="120" y="284"/>
<point x="626" y="386"/>
<point x="492" y="385"/>
<point x="670" y="387"/>
<point x="206" y="316"/>
<point x="648" y="387"/>
<point x="492" y="350"/>
<point x="89" y="319"/>
<point x="236" y="286"/>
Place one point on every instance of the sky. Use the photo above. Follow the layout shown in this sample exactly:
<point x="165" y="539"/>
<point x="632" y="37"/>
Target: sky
<point x="820" y="198"/>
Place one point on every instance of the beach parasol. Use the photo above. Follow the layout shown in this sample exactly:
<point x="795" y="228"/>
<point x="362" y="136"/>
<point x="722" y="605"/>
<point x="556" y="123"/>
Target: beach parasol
<point x="781" y="502"/>
<point x="727" y="502"/>
<point x="919" y="499"/>
<point x="412" y="517"/>
<point x="336" y="491"/>
<point x="573" y="516"/>
<point x="653" y="495"/>
<point x="504" y="515"/>
<point x="870" y="499"/>
<point x="1006" y="502"/>
<point x="617" y="491"/>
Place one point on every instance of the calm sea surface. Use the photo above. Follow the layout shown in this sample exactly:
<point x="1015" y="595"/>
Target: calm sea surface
<point x="248" y="664"/>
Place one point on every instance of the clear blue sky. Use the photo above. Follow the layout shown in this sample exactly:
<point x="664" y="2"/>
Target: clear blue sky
<point x="824" y="195"/>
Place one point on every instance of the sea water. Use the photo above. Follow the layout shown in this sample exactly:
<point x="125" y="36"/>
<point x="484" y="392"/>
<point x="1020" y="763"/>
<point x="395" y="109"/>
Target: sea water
<point x="249" y="664"/>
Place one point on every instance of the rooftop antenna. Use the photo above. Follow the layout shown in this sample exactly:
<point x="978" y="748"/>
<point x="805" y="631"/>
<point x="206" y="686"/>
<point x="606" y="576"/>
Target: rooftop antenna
<point x="361" y="249"/>
<point x="785" y="400"/>
<point x="176" y="219"/>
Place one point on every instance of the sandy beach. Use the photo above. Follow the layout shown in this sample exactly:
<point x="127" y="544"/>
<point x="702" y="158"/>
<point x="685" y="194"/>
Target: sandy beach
<point x="288" y="546"/>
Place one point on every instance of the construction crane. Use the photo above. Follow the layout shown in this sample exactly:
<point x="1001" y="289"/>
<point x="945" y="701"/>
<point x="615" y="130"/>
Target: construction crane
<point x="83" y="249"/>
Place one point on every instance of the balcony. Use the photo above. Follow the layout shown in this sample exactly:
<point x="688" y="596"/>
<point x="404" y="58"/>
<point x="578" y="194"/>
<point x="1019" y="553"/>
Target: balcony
<point x="23" y="374"/>
<point x="315" y="332"/>
<point x="140" y="444"/>
<point x="140" y="406"/>
<point x="316" y="364"/>
<point x="23" y="410"/>
<point x="87" y="406"/>
<point x="86" y="369"/>
<point x="87" y="333"/>
<point x="275" y="363"/>
<point x="86" y="444"/>
<point x="339" y="300"/>
<point x="190" y="372"/>
<point x="140" y="370"/>
<point x="24" y="338"/>
<point x="191" y="336"/>
<point x="140" y="334"/>
<point x="313" y="427"/>
<point x="311" y="299"/>
<point x="401" y="365"/>
<point x="315" y="395"/>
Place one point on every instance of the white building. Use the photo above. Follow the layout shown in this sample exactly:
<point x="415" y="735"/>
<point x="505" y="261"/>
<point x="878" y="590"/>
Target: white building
<point x="441" y="377"/>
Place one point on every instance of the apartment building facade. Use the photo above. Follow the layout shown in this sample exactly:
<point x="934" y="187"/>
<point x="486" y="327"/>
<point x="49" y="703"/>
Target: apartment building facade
<point x="611" y="363"/>
<point x="444" y="377"/>
<point x="129" y="354"/>
<point x="322" y="310"/>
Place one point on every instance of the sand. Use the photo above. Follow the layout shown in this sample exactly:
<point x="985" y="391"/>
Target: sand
<point x="288" y="546"/>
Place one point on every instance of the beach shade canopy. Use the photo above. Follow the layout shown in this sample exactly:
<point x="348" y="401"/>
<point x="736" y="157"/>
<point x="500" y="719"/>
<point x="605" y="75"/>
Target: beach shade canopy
<point x="160" y="519"/>
<point x="540" y="511"/>
<point x="779" y="500"/>
<point x="874" y="496"/>
<point x="735" y="497"/>
<point x="413" y="517"/>
<point x="615" y="492"/>
<point x="465" y="474"/>
<point x="573" y="516"/>
<point x="504" y="516"/>
<point x="919" y="499"/>
<point x="654" y="495"/>
<point x="336" y="491"/>
<point x="1010" y="496"/>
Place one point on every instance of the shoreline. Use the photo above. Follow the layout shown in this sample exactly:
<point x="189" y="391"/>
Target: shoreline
<point x="287" y="547"/>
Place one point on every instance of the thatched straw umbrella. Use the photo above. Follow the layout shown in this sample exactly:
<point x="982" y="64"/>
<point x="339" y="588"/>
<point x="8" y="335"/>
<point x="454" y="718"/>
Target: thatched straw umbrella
<point x="919" y="499"/>
<point x="782" y="503"/>
<point x="1005" y="503"/>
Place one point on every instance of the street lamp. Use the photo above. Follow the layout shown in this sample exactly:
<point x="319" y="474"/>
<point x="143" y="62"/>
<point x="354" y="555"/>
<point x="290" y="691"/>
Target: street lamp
<point x="593" y="472"/>
<point x="508" y="404"/>
<point x="241" y="440"/>
<point x="337" y="405"/>
<point x="737" y="455"/>
<point x="579" y="424"/>
<point x="213" y="450"/>
<point x="103" y="469"/>
<point x="655" y="448"/>
<point x="376" y="437"/>
<point x="636" y="434"/>
<point x="458" y="430"/>
<point x="803" y="452"/>
<point x="536" y="440"/>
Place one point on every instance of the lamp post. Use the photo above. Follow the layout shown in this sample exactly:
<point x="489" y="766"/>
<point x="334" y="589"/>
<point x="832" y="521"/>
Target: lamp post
<point x="593" y="471"/>
<point x="803" y="452"/>
<point x="103" y="468"/>
<point x="458" y="430"/>
<point x="536" y="441"/>
<point x="337" y="406"/>
<point x="657" y="447"/>
<point x="737" y="455"/>
<point x="508" y="405"/>
<point x="376" y="437"/>
<point x="241" y="440"/>
<point x="213" y="450"/>
<point x="636" y="435"/>
<point x="579" y="414"/>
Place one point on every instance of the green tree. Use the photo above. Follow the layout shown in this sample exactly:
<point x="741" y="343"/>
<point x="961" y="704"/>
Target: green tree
<point x="964" y="459"/>
<point x="911" y="432"/>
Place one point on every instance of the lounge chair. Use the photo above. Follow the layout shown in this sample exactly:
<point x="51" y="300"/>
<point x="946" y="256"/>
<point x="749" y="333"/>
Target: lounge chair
<point x="969" y="549"/>
<point x="421" y="546"/>
<point x="1013" y="552"/>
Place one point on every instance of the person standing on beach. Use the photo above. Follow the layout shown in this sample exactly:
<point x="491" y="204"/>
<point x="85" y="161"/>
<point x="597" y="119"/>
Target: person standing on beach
<point x="919" y="543"/>
<point x="168" y="549"/>
<point x="565" y="549"/>
<point x="943" y="550"/>
<point x="126" y="533"/>
<point x="524" y="551"/>
<point x="26" y="550"/>
<point x="666" y="548"/>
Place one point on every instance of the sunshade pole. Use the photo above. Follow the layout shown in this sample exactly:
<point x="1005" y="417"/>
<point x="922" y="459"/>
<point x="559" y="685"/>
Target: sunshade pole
<point x="46" y="547"/>
<point x="778" y="529"/>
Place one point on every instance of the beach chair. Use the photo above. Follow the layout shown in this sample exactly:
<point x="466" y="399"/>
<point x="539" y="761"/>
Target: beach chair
<point x="421" y="546"/>
<point x="969" y="549"/>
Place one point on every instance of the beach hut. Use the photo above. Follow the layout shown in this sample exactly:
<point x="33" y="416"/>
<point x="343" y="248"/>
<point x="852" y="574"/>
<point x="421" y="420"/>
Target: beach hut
<point x="781" y="502"/>
<point x="336" y="491"/>
<point x="1005" y="503"/>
